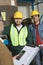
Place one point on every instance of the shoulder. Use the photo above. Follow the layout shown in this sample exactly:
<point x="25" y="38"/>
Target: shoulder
<point x="7" y="29"/>
<point x="41" y="25"/>
<point x="41" y="22"/>
<point x="31" y="26"/>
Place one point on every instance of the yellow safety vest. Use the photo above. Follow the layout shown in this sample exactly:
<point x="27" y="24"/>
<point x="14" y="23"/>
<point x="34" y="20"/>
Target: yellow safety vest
<point x="18" y="38"/>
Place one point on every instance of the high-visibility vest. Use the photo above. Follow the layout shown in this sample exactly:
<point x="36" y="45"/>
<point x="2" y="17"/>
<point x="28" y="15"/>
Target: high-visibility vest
<point x="18" y="38"/>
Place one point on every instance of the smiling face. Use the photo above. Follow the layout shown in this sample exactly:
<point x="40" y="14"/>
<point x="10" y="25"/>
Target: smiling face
<point x="18" y="21"/>
<point x="36" y="19"/>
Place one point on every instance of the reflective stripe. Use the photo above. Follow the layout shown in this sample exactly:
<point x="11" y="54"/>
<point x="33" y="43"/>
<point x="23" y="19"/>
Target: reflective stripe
<point x="18" y="38"/>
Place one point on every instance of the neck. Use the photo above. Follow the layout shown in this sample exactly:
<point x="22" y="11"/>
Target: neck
<point x="37" y="23"/>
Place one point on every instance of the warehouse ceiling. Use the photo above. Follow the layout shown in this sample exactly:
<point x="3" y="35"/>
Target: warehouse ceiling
<point x="24" y="2"/>
<point x="28" y="2"/>
<point x="38" y="1"/>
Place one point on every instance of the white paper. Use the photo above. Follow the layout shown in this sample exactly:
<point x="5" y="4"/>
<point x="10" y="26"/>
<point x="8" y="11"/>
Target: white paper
<point x="30" y="53"/>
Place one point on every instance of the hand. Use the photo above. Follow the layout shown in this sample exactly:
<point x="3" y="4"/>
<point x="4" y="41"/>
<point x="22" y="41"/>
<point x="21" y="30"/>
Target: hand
<point x="41" y="45"/>
<point x="15" y="56"/>
<point x="4" y="37"/>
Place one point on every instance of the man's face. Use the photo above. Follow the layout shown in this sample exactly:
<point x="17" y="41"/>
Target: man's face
<point x="1" y="26"/>
<point x="18" y="21"/>
<point x="36" y="18"/>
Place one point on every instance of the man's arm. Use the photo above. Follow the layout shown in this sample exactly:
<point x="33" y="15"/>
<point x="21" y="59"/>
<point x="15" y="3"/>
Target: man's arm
<point x="5" y="55"/>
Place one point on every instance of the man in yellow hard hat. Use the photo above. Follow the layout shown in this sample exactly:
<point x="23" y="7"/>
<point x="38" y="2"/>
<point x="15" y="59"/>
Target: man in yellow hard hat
<point x="18" y="17"/>
<point x="37" y="34"/>
<point x="35" y="12"/>
<point x="18" y="34"/>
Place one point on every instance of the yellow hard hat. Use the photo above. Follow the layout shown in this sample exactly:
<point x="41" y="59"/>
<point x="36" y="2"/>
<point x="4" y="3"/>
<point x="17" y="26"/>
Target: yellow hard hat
<point x="35" y="12"/>
<point x="18" y="14"/>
